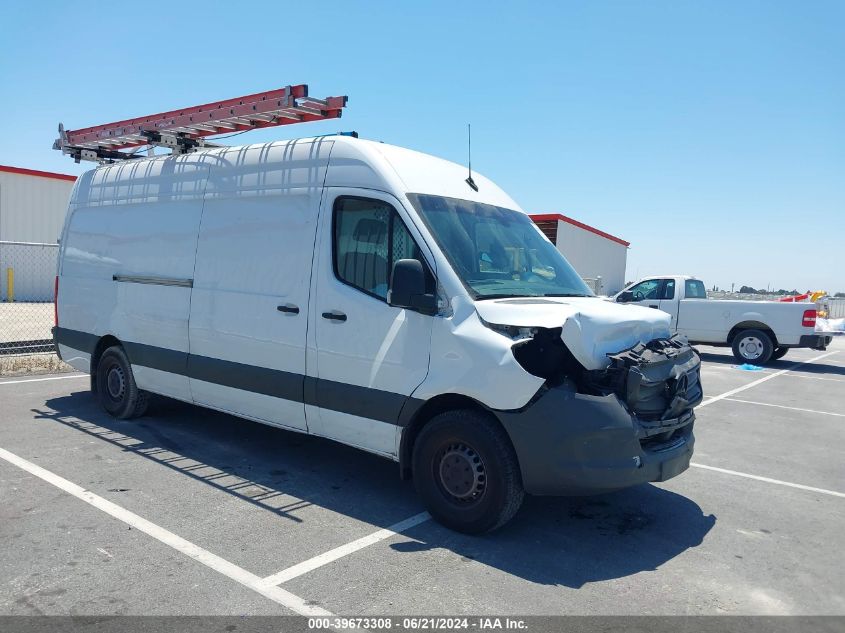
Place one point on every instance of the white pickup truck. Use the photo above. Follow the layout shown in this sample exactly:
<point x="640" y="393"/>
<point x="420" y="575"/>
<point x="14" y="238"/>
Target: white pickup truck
<point x="757" y="331"/>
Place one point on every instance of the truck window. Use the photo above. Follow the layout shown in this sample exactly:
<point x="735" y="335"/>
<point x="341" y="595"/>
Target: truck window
<point x="668" y="289"/>
<point x="648" y="289"/>
<point x="694" y="289"/>
<point x="369" y="237"/>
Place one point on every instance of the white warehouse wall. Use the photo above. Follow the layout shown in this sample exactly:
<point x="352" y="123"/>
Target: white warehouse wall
<point x="593" y="255"/>
<point x="32" y="209"/>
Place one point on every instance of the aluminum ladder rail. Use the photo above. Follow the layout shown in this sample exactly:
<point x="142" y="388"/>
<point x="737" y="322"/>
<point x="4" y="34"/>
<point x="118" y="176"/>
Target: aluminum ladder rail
<point x="184" y="130"/>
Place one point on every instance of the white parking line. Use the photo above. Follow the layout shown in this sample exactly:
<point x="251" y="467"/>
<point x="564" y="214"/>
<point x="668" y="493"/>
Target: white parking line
<point x="815" y="378"/>
<point x="344" y="550"/>
<point x="732" y="392"/>
<point x="780" y="406"/>
<point x="769" y="480"/>
<point x="218" y="564"/>
<point x="18" y="382"/>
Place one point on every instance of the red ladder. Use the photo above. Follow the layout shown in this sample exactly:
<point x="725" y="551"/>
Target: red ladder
<point x="184" y="130"/>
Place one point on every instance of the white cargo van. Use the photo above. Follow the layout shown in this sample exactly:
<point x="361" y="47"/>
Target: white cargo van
<point x="368" y="294"/>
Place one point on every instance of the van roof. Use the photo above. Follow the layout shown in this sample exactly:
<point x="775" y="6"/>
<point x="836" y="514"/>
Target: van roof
<point x="354" y="162"/>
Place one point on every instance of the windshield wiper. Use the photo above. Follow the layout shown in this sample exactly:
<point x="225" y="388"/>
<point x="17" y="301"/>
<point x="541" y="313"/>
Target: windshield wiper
<point x="564" y="294"/>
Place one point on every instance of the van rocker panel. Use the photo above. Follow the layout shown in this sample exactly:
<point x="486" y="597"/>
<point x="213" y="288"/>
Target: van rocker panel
<point x="574" y="444"/>
<point x="355" y="400"/>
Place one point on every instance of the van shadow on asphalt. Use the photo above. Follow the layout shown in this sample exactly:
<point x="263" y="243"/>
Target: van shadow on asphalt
<point x="551" y="540"/>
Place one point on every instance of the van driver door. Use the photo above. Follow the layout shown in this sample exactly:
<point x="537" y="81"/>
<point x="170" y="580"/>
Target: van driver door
<point x="364" y="357"/>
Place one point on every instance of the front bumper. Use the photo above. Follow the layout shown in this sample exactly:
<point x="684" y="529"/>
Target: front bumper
<point x="635" y="428"/>
<point x="574" y="444"/>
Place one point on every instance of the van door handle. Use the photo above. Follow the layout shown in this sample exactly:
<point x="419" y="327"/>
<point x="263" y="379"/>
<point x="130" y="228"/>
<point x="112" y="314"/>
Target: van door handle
<point x="334" y="316"/>
<point x="289" y="309"/>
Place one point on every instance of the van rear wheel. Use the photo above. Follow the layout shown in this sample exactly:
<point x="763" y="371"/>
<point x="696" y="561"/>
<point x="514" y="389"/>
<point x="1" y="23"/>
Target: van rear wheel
<point x="116" y="388"/>
<point x="466" y="472"/>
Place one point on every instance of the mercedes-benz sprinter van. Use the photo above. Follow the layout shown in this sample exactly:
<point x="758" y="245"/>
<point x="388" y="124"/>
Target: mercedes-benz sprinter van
<point x="372" y="295"/>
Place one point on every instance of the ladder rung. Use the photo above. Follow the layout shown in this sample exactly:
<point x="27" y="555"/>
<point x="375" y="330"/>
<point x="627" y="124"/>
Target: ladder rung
<point x="308" y="110"/>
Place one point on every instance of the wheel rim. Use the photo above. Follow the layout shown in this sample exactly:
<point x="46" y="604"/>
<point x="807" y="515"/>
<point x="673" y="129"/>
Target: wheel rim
<point x="751" y="347"/>
<point x="115" y="382"/>
<point x="461" y="474"/>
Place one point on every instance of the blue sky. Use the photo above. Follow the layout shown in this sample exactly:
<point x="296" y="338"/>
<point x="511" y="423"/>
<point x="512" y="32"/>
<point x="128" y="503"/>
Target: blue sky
<point x="710" y="135"/>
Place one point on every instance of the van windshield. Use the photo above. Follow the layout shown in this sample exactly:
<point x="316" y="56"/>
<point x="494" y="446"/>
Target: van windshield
<point x="497" y="252"/>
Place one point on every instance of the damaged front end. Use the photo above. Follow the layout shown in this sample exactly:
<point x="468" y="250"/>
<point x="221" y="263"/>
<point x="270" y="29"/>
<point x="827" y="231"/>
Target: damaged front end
<point x="657" y="381"/>
<point x="603" y="429"/>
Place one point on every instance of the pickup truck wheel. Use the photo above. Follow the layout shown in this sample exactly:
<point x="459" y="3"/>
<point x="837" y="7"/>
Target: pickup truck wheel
<point x="466" y="472"/>
<point x="780" y="352"/>
<point x="752" y="346"/>
<point x="116" y="388"/>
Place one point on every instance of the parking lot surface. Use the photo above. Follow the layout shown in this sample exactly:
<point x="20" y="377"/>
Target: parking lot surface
<point x="189" y="511"/>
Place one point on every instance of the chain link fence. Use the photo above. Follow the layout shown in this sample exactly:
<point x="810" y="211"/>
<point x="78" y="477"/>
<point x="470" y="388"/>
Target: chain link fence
<point x="27" y="273"/>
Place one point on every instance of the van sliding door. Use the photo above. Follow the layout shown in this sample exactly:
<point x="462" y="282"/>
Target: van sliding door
<point x="249" y="309"/>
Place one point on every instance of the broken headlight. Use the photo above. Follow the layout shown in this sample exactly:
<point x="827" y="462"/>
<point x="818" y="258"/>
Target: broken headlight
<point x="513" y="332"/>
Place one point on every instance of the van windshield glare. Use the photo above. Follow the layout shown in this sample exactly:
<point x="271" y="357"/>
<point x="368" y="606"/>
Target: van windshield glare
<point x="497" y="252"/>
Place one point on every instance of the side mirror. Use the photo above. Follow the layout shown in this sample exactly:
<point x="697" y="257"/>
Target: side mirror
<point x="625" y="296"/>
<point x="407" y="287"/>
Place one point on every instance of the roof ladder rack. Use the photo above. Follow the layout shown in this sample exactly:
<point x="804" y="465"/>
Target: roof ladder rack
<point x="185" y="130"/>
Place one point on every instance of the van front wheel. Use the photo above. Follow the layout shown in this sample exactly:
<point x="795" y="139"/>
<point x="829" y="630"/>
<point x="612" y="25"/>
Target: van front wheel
<point x="116" y="388"/>
<point x="466" y="472"/>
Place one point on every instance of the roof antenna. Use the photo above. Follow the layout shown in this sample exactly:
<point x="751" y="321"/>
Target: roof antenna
<point x="469" y="180"/>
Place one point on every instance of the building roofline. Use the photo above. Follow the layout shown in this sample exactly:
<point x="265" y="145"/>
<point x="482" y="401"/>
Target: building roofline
<point x="559" y="216"/>
<point x="36" y="172"/>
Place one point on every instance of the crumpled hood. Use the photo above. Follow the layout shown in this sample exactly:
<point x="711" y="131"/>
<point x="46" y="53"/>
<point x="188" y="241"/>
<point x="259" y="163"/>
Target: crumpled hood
<point x="591" y="327"/>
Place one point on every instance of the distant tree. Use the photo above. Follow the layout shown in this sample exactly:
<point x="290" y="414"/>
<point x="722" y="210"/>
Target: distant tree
<point x="747" y="290"/>
<point x="839" y="294"/>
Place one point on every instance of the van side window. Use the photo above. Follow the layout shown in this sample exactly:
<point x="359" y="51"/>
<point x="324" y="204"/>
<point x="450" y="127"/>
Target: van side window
<point x="369" y="237"/>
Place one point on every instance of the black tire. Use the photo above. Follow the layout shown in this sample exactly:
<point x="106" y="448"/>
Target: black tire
<point x="116" y="388"/>
<point x="779" y="353"/>
<point x="753" y="346"/>
<point x="466" y="472"/>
